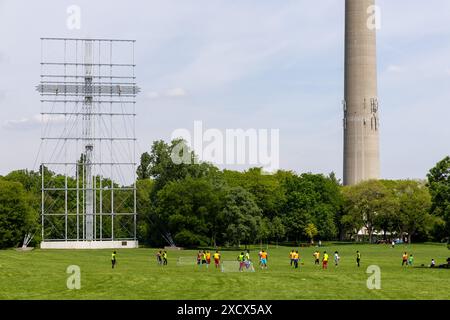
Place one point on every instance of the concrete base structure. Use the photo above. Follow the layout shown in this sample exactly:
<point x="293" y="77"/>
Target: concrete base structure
<point x="125" y="244"/>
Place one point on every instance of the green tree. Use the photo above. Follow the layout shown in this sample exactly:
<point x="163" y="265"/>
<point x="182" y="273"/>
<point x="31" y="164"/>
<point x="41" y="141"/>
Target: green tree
<point x="266" y="189"/>
<point x="414" y="207"/>
<point x="189" y="207"/>
<point x="311" y="198"/>
<point x="439" y="186"/>
<point x="311" y="231"/>
<point x="365" y="201"/>
<point x="277" y="229"/>
<point x="163" y="170"/>
<point x="264" y="231"/>
<point x="143" y="170"/>
<point x="241" y="216"/>
<point x="17" y="217"/>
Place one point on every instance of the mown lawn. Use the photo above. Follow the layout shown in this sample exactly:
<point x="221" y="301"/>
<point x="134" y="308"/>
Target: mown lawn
<point x="41" y="274"/>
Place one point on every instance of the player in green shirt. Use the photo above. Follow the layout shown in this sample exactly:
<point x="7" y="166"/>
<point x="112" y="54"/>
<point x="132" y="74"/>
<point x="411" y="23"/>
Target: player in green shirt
<point x="410" y="260"/>
<point x="113" y="259"/>
<point x="241" y="259"/>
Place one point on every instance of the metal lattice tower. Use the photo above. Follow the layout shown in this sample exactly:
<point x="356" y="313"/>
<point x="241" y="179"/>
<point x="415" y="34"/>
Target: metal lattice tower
<point x="88" y="97"/>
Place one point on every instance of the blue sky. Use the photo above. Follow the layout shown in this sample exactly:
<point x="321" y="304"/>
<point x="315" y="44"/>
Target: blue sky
<point x="246" y="64"/>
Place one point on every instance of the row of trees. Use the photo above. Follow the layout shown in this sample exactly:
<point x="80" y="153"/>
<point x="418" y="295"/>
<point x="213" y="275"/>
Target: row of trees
<point x="199" y="205"/>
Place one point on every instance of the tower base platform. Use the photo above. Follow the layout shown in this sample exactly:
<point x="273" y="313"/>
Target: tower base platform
<point x="121" y="244"/>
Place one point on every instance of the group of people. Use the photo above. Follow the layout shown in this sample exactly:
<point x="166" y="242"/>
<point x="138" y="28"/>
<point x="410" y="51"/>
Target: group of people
<point x="161" y="257"/>
<point x="408" y="260"/>
<point x="204" y="258"/>
<point x="245" y="261"/>
<point x="336" y="256"/>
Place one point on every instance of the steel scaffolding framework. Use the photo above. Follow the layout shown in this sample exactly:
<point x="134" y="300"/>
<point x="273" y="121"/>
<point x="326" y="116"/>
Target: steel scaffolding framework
<point x="88" y="144"/>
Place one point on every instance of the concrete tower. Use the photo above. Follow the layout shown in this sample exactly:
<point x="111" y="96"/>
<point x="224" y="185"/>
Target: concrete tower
<point x="361" y="123"/>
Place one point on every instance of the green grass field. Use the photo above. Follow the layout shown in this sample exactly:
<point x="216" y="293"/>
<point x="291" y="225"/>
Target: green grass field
<point x="41" y="274"/>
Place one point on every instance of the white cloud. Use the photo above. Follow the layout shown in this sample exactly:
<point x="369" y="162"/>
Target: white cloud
<point x="33" y="122"/>
<point x="169" y="93"/>
<point x="175" y="92"/>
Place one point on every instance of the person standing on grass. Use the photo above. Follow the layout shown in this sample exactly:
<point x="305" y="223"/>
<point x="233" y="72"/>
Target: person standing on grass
<point x="199" y="259"/>
<point x="113" y="259"/>
<point x="404" y="259"/>
<point x="325" y="260"/>
<point x="241" y="259"/>
<point x="433" y="263"/>
<point x="216" y="259"/>
<point x="248" y="261"/>
<point x="247" y="255"/>
<point x="204" y="258"/>
<point x="159" y="257"/>
<point x="410" y="260"/>
<point x="316" y="255"/>
<point x="208" y="259"/>
<point x="296" y="257"/>
<point x="260" y="256"/>
<point x="336" y="258"/>
<point x="291" y="256"/>
<point x="358" y="258"/>
<point x="164" y="256"/>
<point x="264" y="257"/>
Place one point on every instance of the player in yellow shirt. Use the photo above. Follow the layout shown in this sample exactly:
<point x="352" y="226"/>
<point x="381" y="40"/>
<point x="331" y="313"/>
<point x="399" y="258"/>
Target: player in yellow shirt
<point x="208" y="259"/>
<point x="325" y="260"/>
<point x="291" y="256"/>
<point x="296" y="257"/>
<point x="405" y="259"/>
<point x="216" y="257"/>
<point x="316" y="255"/>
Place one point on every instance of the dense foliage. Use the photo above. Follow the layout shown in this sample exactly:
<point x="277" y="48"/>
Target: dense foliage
<point x="191" y="203"/>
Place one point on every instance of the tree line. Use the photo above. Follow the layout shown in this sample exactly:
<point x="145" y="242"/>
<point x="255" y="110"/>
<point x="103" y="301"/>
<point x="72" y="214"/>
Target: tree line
<point x="196" y="204"/>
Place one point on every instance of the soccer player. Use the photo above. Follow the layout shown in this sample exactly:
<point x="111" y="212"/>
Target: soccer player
<point x="208" y="259"/>
<point x="291" y="256"/>
<point x="433" y="263"/>
<point x="248" y="262"/>
<point x="296" y="257"/>
<point x="358" y="258"/>
<point x="199" y="259"/>
<point x="113" y="259"/>
<point x="159" y="257"/>
<point x="316" y="255"/>
<point x="247" y="259"/>
<point x="216" y="257"/>
<point x="203" y="255"/>
<point x="241" y="259"/>
<point x="259" y="256"/>
<point x="336" y="258"/>
<point x="164" y="256"/>
<point x="325" y="260"/>
<point x="264" y="257"/>
<point x="410" y="260"/>
<point x="405" y="259"/>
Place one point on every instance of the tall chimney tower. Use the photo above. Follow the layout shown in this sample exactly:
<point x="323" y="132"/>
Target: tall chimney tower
<point x="361" y="122"/>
